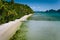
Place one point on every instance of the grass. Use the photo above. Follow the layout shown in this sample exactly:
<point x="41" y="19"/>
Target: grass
<point x="21" y="33"/>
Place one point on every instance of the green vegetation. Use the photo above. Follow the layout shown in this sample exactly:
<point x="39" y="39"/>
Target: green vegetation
<point x="21" y="33"/>
<point x="10" y="11"/>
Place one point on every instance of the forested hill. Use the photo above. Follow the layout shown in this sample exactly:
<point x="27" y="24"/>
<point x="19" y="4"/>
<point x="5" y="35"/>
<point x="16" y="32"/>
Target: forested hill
<point x="10" y="11"/>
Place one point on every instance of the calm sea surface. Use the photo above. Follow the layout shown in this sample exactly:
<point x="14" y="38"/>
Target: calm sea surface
<point x="43" y="26"/>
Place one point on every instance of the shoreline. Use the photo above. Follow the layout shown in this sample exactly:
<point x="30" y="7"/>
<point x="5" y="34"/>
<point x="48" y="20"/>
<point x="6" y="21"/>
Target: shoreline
<point x="7" y="30"/>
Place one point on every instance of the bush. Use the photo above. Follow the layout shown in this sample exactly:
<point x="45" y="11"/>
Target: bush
<point x="11" y="11"/>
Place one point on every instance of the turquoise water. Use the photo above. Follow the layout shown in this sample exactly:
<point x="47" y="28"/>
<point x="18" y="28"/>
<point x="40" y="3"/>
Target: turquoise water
<point x="43" y="27"/>
<point x="46" y="16"/>
<point x="40" y="26"/>
<point x="43" y="30"/>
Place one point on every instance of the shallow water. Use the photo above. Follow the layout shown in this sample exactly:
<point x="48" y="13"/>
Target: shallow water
<point x="43" y="30"/>
<point x="41" y="27"/>
<point x="46" y="17"/>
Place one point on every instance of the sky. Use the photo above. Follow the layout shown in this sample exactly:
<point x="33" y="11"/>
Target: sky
<point x="41" y="5"/>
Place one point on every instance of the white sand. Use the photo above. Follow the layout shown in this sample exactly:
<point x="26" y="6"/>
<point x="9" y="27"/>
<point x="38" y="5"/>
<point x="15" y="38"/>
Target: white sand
<point x="8" y="29"/>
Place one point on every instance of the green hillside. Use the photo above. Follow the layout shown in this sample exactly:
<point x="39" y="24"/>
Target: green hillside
<point x="10" y="11"/>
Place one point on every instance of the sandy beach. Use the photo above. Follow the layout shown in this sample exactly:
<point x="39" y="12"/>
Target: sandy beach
<point x="8" y="29"/>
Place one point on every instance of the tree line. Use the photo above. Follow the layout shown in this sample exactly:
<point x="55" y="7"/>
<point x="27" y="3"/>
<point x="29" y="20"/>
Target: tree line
<point x="10" y="11"/>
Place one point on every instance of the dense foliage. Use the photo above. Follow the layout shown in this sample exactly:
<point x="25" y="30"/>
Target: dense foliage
<point x="10" y="11"/>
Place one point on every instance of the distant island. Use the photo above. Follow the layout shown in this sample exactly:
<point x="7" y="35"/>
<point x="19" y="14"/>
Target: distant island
<point x="52" y="10"/>
<point x="48" y="11"/>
